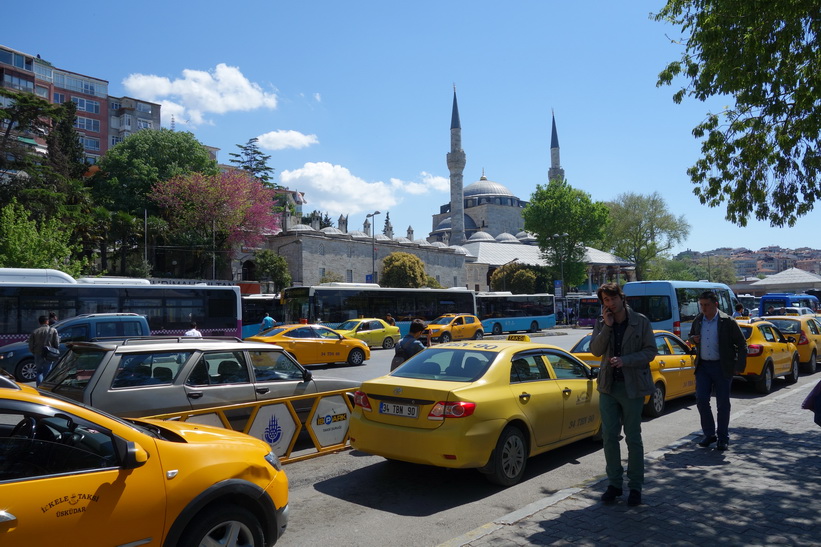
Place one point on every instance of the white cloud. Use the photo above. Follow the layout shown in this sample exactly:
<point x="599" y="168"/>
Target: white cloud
<point x="335" y="190"/>
<point x="425" y="186"/>
<point x="282" y="139"/>
<point x="218" y="91"/>
<point x="318" y="97"/>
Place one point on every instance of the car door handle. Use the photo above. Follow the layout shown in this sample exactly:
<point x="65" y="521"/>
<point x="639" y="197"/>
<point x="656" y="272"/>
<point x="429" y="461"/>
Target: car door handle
<point x="262" y="390"/>
<point x="525" y="397"/>
<point x="662" y="364"/>
<point x="567" y="391"/>
<point x="5" y="516"/>
<point x="194" y="394"/>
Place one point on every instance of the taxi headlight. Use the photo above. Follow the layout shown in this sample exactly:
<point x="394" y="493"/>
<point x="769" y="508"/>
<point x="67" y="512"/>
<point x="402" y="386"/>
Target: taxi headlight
<point x="7" y="355"/>
<point x="273" y="460"/>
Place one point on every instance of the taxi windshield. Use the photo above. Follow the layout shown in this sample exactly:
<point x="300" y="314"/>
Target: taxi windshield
<point x="447" y="365"/>
<point x="441" y="321"/>
<point x="348" y="325"/>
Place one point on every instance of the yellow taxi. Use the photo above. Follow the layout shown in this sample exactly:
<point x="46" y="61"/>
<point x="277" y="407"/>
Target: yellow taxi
<point x="70" y="474"/>
<point x="769" y="354"/>
<point x="315" y="344"/>
<point x="673" y="369"/>
<point x="805" y="330"/>
<point x="374" y="332"/>
<point x="454" y="326"/>
<point x="487" y="405"/>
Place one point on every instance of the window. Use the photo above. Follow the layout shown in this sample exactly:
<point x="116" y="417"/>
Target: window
<point x="349" y="276"/>
<point x="661" y="346"/>
<point x="114" y="105"/>
<point x="41" y="91"/>
<point x="59" y="98"/>
<point x="140" y="369"/>
<point x="89" y="143"/>
<point x="127" y="121"/>
<point x="16" y="82"/>
<point x="143" y="124"/>
<point x="87" y="124"/>
<point x="321" y="273"/>
<point x="116" y="140"/>
<point x="525" y="368"/>
<point x="566" y="369"/>
<point x="86" y="105"/>
<point x="142" y="107"/>
<point x="274" y="366"/>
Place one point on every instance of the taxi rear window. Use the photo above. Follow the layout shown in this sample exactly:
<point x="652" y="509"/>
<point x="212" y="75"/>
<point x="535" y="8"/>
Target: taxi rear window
<point x="446" y="364"/>
<point x="786" y="326"/>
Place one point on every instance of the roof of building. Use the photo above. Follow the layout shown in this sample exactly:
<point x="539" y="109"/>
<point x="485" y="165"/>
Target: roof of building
<point x="791" y="277"/>
<point x="485" y="187"/>
<point x="494" y="253"/>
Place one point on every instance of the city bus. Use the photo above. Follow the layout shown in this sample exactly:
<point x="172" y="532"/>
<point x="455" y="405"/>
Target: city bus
<point x="334" y="303"/>
<point x="254" y="308"/>
<point x="589" y="311"/>
<point x="26" y="294"/>
<point x="672" y="305"/>
<point x="775" y="300"/>
<point x="506" y="312"/>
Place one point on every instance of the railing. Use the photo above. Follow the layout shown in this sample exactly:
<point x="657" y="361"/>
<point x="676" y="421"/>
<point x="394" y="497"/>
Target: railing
<point x="280" y="422"/>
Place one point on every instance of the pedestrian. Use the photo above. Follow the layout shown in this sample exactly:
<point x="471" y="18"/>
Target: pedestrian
<point x="739" y="311"/>
<point x="193" y="332"/>
<point x="267" y="323"/>
<point x="42" y="337"/>
<point x="571" y="314"/>
<point x="390" y="320"/>
<point x="409" y="345"/>
<point x="624" y="340"/>
<point x="721" y="352"/>
<point x="52" y="318"/>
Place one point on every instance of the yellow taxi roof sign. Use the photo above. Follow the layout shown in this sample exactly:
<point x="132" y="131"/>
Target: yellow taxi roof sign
<point x="518" y="338"/>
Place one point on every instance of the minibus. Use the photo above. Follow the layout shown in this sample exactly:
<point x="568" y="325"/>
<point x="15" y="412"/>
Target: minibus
<point x="672" y="305"/>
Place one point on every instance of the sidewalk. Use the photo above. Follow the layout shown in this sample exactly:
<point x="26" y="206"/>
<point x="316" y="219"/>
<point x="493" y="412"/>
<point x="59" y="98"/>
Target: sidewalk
<point x="763" y="491"/>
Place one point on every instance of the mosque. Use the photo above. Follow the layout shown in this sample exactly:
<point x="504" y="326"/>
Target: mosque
<point x="479" y="230"/>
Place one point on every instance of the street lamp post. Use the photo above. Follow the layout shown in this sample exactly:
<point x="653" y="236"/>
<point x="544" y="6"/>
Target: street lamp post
<point x="373" y="248"/>
<point x="559" y="238"/>
<point x="504" y="277"/>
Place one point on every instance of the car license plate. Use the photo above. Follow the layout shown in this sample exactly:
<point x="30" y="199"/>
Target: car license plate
<point x="409" y="411"/>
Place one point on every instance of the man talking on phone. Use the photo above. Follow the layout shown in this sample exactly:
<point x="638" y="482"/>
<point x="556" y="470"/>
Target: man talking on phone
<point x="624" y="340"/>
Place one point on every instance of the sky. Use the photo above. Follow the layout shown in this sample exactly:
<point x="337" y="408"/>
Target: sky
<point x="352" y="100"/>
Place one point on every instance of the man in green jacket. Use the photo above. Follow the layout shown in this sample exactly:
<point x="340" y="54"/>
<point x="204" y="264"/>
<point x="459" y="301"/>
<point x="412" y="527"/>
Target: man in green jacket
<point x="624" y="339"/>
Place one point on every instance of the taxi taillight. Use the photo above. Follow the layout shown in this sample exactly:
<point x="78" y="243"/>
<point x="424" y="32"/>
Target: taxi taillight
<point x="802" y="339"/>
<point x="361" y="400"/>
<point x="453" y="409"/>
<point x="754" y="350"/>
<point x="677" y="328"/>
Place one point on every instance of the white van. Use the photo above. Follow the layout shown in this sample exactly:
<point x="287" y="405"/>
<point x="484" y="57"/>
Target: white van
<point x="672" y="305"/>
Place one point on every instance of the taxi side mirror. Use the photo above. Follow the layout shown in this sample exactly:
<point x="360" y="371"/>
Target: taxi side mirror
<point x="594" y="373"/>
<point x="135" y="456"/>
<point x="791" y="339"/>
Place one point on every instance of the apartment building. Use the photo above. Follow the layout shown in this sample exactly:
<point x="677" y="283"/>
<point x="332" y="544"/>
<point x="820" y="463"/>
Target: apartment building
<point x="101" y="120"/>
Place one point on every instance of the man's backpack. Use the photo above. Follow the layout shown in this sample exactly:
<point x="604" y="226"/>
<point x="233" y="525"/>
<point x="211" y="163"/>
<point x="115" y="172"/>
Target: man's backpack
<point x="398" y="357"/>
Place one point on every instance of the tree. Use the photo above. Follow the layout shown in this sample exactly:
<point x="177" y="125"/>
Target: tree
<point x="762" y="154"/>
<point x="26" y="243"/>
<point x="274" y="267"/>
<point x="565" y="220"/>
<point x="403" y="270"/>
<point x="523" y="282"/>
<point x="331" y="277"/>
<point x="130" y="170"/>
<point x="25" y="115"/>
<point x="251" y="159"/>
<point x="641" y="228"/>
<point x="432" y="283"/>
<point x="212" y="212"/>
<point x="324" y="219"/>
<point x="713" y="268"/>
<point x="66" y="156"/>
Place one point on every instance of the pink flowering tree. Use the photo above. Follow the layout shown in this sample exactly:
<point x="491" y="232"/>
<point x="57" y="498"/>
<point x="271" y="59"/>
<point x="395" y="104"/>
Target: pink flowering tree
<point x="228" y="208"/>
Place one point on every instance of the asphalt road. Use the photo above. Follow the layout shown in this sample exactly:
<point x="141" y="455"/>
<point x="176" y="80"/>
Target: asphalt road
<point x="351" y="498"/>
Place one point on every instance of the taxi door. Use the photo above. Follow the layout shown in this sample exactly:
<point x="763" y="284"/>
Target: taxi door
<point x="579" y="396"/>
<point x="369" y="333"/>
<point x="48" y="498"/>
<point x="458" y="328"/>
<point x="667" y="366"/>
<point x="538" y="396"/>
<point x="780" y="352"/>
<point x="680" y="359"/>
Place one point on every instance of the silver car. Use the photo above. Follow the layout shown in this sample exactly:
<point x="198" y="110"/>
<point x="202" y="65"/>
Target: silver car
<point x="149" y="376"/>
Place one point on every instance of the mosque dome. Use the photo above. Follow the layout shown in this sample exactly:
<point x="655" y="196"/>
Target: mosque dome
<point x="301" y="228"/>
<point x="382" y="237"/>
<point x="423" y="243"/>
<point x="438" y="244"/>
<point x="403" y="240"/>
<point x="358" y="234"/>
<point x="484" y="187"/>
<point x="505" y="237"/>
<point x="331" y="231"/>
<point x="444" y="224"/>
<point x="525" y="237"/>
<point x="458" y="249"/>
<point x="481" y="236"/>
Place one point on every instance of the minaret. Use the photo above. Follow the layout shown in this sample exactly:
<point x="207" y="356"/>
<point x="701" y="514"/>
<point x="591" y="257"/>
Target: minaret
<point x="555" y="171"/>
<point x="456" y="166"/>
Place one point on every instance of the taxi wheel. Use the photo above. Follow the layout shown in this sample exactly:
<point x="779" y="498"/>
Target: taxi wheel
<point x="809" y="366"/>
<point x="655" y="406"/>
<point x="497" y="329"/>
<point x="224" y="525"/>
<point x="509" y="458"/>
<point x="356" y="357"/>
<point x="479" y="335"/>
<point x="445" y="338"/>
<point x="388" y="342"/>
<point x="26" y="371"/>
<point x="792" y="377"/>
<point x="765" y="383"/>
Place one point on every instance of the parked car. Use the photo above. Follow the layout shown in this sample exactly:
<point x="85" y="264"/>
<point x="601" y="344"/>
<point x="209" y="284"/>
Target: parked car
<point x="454" y="326"/>
<point x="17" y="359"/>
<point x="673" y="369"/>
<point x="374" y="332"/>
<point x="486" y="405"/>
<point x="805" y="330"/>
<point x="72" y="475"/>
<point x="144" y="377"/>
<point x="315" y="344"/>
<point x="769" y="354"/>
